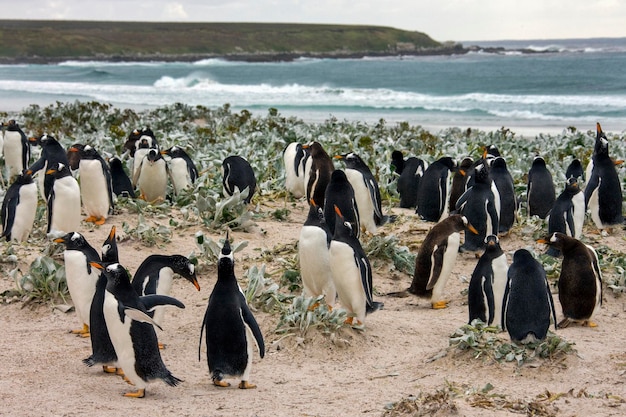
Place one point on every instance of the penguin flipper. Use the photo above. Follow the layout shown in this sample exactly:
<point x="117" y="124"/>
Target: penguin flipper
<point x="593" y="183"/>
<point x="372" y="187"/>
<point x="366" y="278"/>
<point x="488" y="291"/>
<point x="140" y="316"/>
<point x="154" y="300"/>
<point x="436" y="264"/>
<point x="9" y="218"/>
<point x="251" y="322"/>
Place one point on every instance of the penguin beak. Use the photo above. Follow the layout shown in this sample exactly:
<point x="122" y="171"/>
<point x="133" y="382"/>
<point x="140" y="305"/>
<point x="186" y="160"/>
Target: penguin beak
<point x="194" y="281"/>
<point x="338" y="157"/>
<point x="312" y="202"/>
<point x="51" y="171"/>
<point x="544" y="241"/>
<point x="338" y="212"/>
<point x="32" y="139"/>
<point x="462" y="172"/>
<point x="97" y="265"/>
<point x="59" y="240"/>
<point x="112" y="233"/>
<point x="472" y="229"/>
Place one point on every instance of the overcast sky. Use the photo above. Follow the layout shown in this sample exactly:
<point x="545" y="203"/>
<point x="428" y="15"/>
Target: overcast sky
<point x="459" y="20"/>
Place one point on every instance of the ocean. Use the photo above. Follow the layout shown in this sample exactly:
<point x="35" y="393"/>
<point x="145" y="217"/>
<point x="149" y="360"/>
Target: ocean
<point x="574" y="82"/>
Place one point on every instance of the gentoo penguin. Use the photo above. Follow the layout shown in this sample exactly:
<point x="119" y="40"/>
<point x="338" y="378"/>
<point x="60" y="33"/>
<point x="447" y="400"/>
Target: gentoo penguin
<point x="122" y="185"/>
<point x="597" y="148"/>
<point x="52" y="153"/>
<point x="182" y="169"/>
<point x="567" y="214"/>
<point x="237" y="176"/>
<point x="130" y="145"/>
<point x="486" y="288"/>
<point x="314" y="256"/>
<point x="527" y="307"/>
<point x="155" y="275"/>
<point x="294" y="158"/>
<point x="102" y="350"/>
<point x="436" y="258"/>
<point x="540" y="191"/>
<point x="15" y="148"/>
<point x="81" y="277"/>
<point x="339" y="192"/>
<point x="580" y="282"/>
<point x="96" y="187"/>
<point x="63" y="199"/>
<point x="318" y="169"/>
<point x="143" y="145"/>
<point x="19" y="208"/>
<point x="478" y="205"/>
<point x="229" y="326"/>
<point x="460" y="177"/>
<point x="575" y="170"/>
<point x="151" y="177"/>
<point x="73" y="156"/>
<point x="409" y="181"/>
<point x="366" y="192"/>
<point x="131" y="329"/>
<point x="503" y="181"/>
<point x="352" y="272"/>
<point x="397" y="162"/>
<point x="434" y="191"/>
<point x="603" y="191"/>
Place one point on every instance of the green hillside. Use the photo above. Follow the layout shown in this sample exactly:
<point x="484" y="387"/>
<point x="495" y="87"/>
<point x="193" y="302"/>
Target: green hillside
<point x="32" y="40"/>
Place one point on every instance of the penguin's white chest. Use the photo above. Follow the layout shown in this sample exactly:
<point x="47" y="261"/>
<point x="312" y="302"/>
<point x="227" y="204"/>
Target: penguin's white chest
<point x="449" y="259"/>
<point x="12" y="149"/>
<point x="315" y="264"/>
<point x="500" y="269"/>
<point x="80" y="283"/>
<point x="94" y="189"/>
<point x="164" y="286"/>
<point x="65" y="206"/>
<point x="364" y="200"/>
<point x="347" y="278"/>
<point x="578" y="201"/>
<point x="152" y="180"/>
<point x="25" y="212"/>
<point x="294" y="181"/>
<point x="179" y="174"/>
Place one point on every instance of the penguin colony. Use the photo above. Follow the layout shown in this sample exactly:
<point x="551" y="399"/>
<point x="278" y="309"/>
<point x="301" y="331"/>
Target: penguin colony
<point x="121" y="315"/>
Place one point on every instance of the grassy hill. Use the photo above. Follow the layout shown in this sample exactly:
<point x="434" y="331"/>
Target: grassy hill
<point x="51" y="40"/>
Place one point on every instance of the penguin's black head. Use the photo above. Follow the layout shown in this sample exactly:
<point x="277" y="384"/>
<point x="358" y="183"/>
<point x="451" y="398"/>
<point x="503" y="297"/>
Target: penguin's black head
<point x="499" y="162"/>
<point x="482" y="174"/>
<point x="73" y="241"/>
<point x="338" y="175"/>
<point x="572" y="185"/>
<point x="539" y="162"/>
<point x="448" y="162"/>
<point x="11" y="125"/>
<point x="153" y="155"/>
<point x="492" y="240"/>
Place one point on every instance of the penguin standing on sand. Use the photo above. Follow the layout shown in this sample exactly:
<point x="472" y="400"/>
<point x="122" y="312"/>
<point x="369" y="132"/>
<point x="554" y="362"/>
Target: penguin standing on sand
<point x="314" y="256"/>
<point x="527" y="307"/>
<point x="409" y="181"/>
<point x="182" y="169"/>
<point x="63" y="199"/>
<point x="151" y="177"/>
<point x="478" y="205"/>
<point x="436" y="258"/>
<point x="230" y="328"/>
<point x="487" y="285"/>
<point x="295" y="158"/>
<point x="120" y="182"/>
<point x="434" y="191"/>
<point x="81" y="277"/>
<point x="15" y="148"/>
<point x="603" y="192"/>
<point x="580" y="282"/>
<point x="318" y="169"/>
<point x="340" y="193"/>
<point x="155" y="275"/>
<point x="460" y="178"/>
<point x="568" y="213"/>
<point x="19" y="208"/>
<point x="96" y="187"/>
<point x="131" y="329"/>
<point x="506" y="190"/>
<point x="540" y="189"/>
<point x="237" y="176"/>
<point x="352" y="272"/>
<point x="52" y="154"/>
<point x="366" y="192"/>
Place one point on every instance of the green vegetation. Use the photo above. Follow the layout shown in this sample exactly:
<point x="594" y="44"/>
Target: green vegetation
<point x="29" y="40"/>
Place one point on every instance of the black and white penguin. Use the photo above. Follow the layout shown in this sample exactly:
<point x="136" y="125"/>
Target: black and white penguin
<point x="230" y="328"/>
<point x="366" y="192"/>
<point x="580" y="282"/>
<point x="436" y="258"/>
<point x="314" y="256"/>
<point x="540" y="192"/>
<point x="15" y="148"/>
<point x="603" y="191"/>
<point x="237" y="176"/>
<point x="96" y="187"/>
<point x="73" y="156"/>
<point x="575" y="170"/>
<point x="151" y="177"/>
<point x="460" y="178"/>
<point x="567" y="214"/>
<point x="486" y="288"/>
<point x="597" y="148"/>
<point x="144" y="143"/>
<point x="121" y="183"/>
<point x="19" y="208"/>
<point x="52" y="154"/>
<point x="409" y="181"/>
<point x="182" y="169"/>
<point x="102" y="350"/>
<point x="131" y="329"/>
<point x="339" y="192"/>
<point x="318" y="169"/>
<point x="528" y="306"/>
<point x="130" y="145"/>
<point x="434" y="190"/>
<point x="478" y="205"/>
<point x="503" y="180"/>
<point x="155" y="275"/>
<point x="295" y="158"/>
<point x="81" y="277"/>
<point x="352" y="272"/>
<point x="63" y="199"/>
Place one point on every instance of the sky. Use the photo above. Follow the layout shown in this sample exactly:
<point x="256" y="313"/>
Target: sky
<point x="443" y="20"/>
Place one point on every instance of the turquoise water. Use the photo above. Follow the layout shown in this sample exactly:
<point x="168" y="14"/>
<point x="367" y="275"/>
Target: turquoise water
<point x="576" y="83"/>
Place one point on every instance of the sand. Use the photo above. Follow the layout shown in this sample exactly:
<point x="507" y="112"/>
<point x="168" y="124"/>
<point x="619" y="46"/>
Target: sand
<point x="399" y="365"/>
